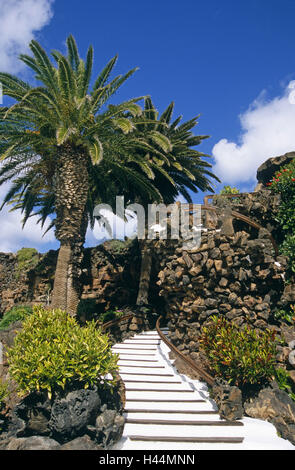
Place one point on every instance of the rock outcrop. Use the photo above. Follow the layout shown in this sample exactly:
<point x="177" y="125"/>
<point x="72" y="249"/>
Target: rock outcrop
<point x="274" y="405"/>
<point x="268" y="168"/>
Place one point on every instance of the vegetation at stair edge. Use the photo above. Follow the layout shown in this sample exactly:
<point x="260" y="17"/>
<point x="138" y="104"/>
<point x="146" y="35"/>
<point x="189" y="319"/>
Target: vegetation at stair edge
<point x="242" y="356"/>
<point x="53" y="353"/>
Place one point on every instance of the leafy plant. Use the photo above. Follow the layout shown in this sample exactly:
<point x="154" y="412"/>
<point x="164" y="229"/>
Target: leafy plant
<point x="110" y="315"/>
<point x="17" y="313"/>
<point x="287" y="248"/>
<point x="229" y="190"/>
<point x="285" y="315"/>
<point x="283" y="183"/>
<point x="3" y="394"/>
<point x="53" y="353"/>
<point x="243" y="357"/>
<point x="87" y="308"/>
<point x="27" y="258"/>
<point x="283" y="379"/>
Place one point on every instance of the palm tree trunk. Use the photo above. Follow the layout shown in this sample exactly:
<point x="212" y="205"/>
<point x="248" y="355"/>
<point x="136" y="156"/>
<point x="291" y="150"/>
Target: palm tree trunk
<point x="145" y="274"/>
<point x="60" y="288"/>
<point x="71" y="182"/>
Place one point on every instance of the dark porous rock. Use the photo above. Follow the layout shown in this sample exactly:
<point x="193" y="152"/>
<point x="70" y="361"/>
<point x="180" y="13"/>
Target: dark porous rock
<point x="228" y="399"/>
<point x="267" y="170"/>
<point x="32" y="443"/>
<point x="71" y="415"/>
<point x="81" y="443"/>
<point x="34" y="410"/>
<point x="274" y="405"/>
<point x="109" y="428"/>
<point x="16" y="426"/>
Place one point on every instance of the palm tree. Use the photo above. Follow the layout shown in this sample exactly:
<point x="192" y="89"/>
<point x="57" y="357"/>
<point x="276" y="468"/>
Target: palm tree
<point x="185" y="166"/>
<point x="64" y="126"/>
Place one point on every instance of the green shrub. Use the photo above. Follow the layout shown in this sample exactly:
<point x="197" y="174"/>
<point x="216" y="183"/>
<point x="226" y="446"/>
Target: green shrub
<point x="287" y="248"/>
<point x="229" y="190"/>
<point x="17" y="313"/>
<point x="110" y="315"/>
<point x="3" y="394"/>
<point x="286" y="315"/>
<point x="27" y="258"/>
<point x="284" y="381"/>
<point x="87" y="309"/>
<point x="283" y="183"/>
<point x="53" y="353"/>
<point x="243" y="357"/>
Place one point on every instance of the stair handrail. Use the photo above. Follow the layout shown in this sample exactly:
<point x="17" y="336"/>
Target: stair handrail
<point x="116" y="321"/>
<point x="207" y="377"/>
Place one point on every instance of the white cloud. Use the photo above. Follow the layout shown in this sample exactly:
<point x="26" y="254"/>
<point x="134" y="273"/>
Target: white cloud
<point x="20" y="19"/>
<point x="119" y="228"/>
<point x="13" y="237"/>
<point x="268" y="130"/>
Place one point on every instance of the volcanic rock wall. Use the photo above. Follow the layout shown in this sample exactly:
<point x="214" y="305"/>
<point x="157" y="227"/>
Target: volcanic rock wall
<point x="109" y="276"/>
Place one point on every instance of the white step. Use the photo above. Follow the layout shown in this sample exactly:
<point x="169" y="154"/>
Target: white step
<point x="178" y="431"/>
<point x="172" y="416"/>
<point x="135" y="347"/>
<point x="169" y="388"/>
<point x="140" y="340"/>
<point x="140" y="362"/>
<point x="147" y="370"/>
<point x="149" y="378"/>
<point x="179" y="416"/>
<point x="176" y="406"/>
<point x="162" y="395"/>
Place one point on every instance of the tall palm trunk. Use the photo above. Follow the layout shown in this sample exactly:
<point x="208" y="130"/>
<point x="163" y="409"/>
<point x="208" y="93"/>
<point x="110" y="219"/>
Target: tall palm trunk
<point x="145" y="273"/>
<point x="71" y="181"/>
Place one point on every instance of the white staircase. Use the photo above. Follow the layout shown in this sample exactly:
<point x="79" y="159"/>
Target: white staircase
<point x="167" y="410"/>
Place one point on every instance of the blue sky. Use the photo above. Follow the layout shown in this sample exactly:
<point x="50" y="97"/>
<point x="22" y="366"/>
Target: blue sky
<point x="229" y="60"/>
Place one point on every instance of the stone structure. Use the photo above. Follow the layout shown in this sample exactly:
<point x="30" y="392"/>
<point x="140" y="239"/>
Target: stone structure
<point x="268" y="168"/>
<point x="109" y="277"/>
<point x="80" y="419"/>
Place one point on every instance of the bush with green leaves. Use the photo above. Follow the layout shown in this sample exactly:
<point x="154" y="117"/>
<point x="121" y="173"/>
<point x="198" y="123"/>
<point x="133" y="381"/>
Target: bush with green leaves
<point x="17" y="313"/>
<point x="111" y="315"/>
<point x="87" y="309"/>
<point x="3" y="394"/>
<point x="27" y="258"/>
<point x="242" y="356"/>
<point x="284" y="381"/>
<point x="283" y="183"/>
<point x="285" y="314"/>
<point x="53" y="353"/>
<point x="229" y="190"/>
<point x="287" y="248"/>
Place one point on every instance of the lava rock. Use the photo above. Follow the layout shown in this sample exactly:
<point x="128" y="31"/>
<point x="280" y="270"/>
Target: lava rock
<point x="274" y="405"/>
<point x="81" y="443"/>
<point x="267" y="170"/>
<point x="109" y="426"/>
<point x="32" y="443"/>
<point x="71" y="415"/>
<point x="228" y="399"/>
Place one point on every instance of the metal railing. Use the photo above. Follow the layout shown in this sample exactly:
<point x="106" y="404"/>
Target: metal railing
<point x="203" y="374"/>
